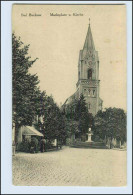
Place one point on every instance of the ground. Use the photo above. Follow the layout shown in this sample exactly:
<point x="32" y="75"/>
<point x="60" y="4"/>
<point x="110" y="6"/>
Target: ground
<point x="70" y="167"/>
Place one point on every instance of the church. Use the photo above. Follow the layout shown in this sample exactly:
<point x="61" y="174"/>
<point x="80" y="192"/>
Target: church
<point x="88" y="82"/>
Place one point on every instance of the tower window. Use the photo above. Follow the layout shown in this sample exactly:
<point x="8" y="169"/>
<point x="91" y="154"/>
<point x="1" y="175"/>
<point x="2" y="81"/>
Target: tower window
<point x="89" y="105"/>
<point x="89" y="92"/>
<point x="84" y="91"/>
<point x="93" y="92"/>
<point x="90" y="74"/>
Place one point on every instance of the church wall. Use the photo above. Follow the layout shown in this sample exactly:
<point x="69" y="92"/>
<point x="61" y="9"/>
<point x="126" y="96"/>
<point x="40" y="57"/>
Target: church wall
<point x="97" y="70"/>
<point x="91" y="99"/>
<point x="97" y="108"/>
<point x="92" y="102"/>
<point x="81" y="73"/>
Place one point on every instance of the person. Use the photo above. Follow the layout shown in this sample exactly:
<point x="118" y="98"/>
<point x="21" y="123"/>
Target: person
<point x="43" y="145"/>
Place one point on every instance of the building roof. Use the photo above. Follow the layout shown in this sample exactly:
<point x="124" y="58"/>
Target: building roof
<point x="30" y="130"/>
<point x="71" y="98"/>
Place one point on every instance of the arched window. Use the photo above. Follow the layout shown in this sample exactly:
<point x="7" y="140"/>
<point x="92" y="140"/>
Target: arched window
<point x="89" y="92"/>
<point x="90" y="74"/>
<point x="89" y="106"/>
<point x="93" y="92"/>
<point x="84" y="91"/>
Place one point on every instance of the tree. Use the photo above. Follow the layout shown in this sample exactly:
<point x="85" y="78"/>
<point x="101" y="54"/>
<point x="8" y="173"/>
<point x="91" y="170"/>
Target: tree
<point x="28" y="101"/>
<point x="111" y="123"/>
<point x="61" y="133"/>
<point x="100" y="125"/>
<point x="82" y="115"/>
<point x="78" y="116"/>
<point x="25" y="90"/>
<point x="53" y="124"/>
<point x="70" y="110"/>
<point x="72" y="127"/>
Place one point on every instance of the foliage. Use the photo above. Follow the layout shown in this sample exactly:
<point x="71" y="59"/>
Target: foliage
<point x="28" y="101"/>
<point x="53" y="124"/>
<point x="25" y="90"/>
<point x="70" y="110"/>
<point x="78" y="117"/>
<point x="71" y="127"/>
<point x="24" y="146"/>
<point x="34" y="144"/>
<point x="111" y="123"/>
<point x="29" y="146"/>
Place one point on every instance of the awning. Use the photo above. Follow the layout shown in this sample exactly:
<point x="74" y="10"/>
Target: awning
<point x="30" y="130"/>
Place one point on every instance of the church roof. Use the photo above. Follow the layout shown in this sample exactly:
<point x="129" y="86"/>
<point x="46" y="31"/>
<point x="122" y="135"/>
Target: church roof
<point x="100" y="101"/>
<point x="70" y="99"/>
<point x="89" y="43"/>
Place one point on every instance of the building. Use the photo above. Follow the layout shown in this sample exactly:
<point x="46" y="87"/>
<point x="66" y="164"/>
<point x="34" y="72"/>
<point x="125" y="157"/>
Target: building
<point x="88" y="76"/>
<point x="26" y="132"/>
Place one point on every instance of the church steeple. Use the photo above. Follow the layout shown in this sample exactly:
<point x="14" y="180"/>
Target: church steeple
<point x="88" y="76"/>
<point x="89" y="43"/>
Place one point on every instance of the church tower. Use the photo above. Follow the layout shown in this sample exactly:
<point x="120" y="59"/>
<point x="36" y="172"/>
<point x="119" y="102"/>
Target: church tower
<point x="88" y="75"/>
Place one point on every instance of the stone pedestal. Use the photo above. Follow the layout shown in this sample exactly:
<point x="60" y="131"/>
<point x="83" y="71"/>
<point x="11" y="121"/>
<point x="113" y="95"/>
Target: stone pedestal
<point x="89" y="135"/>
<point x="89" y="138"/>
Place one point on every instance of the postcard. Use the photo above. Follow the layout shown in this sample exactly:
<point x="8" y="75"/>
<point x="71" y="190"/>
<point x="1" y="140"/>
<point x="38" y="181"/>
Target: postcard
<point x="69" y="112"/>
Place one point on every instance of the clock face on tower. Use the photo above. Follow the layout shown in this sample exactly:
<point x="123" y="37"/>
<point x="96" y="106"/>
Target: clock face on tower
<point x="90" y="62"/>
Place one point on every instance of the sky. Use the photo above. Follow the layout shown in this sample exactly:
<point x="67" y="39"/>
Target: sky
<point x="57" y="40"/>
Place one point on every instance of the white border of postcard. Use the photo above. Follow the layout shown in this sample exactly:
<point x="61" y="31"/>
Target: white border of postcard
<point x="6" y="117"/>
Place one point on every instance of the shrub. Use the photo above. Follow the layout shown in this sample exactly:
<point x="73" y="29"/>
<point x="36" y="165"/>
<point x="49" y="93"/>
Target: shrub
<point x="34" y="146"/>
<point x="83" y="138"/>
<point x="24" y="146"/>
<point x="97" y="138"/>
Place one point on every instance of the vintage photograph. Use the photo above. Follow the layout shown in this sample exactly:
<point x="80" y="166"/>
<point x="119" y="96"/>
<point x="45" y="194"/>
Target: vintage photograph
<point x="69" y="99"/>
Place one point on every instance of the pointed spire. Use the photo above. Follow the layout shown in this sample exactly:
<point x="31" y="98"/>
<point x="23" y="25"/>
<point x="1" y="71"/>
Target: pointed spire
<point x="89" y="21"/>
<point x="89" y="43"/>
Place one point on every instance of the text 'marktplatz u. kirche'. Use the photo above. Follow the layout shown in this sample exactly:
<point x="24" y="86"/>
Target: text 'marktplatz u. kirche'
<point x="88" y="76"/>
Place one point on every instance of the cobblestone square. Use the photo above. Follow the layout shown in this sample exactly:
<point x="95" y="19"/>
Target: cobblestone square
<point x="70" y="167"/>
